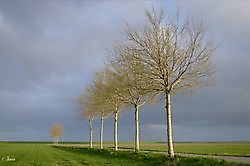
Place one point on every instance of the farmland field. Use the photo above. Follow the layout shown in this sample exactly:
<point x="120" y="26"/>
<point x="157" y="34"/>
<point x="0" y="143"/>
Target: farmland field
<point x="45" y="154"/>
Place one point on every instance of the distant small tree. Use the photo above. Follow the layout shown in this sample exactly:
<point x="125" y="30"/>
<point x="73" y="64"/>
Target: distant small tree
<point x="55" y="132"/>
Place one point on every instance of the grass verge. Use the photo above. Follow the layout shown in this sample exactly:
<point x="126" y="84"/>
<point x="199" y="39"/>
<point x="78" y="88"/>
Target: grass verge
<point x="145" y="159"/>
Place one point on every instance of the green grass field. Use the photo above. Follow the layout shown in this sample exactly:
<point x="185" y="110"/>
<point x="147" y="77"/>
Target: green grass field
<point x="44" y="154"/>
<point x="213" y="148"/>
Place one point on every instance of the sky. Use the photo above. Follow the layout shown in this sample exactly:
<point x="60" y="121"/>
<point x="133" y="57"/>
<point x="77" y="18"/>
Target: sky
<point x="49" y="51"/>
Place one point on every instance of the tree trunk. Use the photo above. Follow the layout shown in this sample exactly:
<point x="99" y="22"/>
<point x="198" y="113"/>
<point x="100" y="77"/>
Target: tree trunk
<point x="90" y="134"/>
<point x="169" y="126"/>
<point x="137" y="140"/>
<point x="54" y="140"/>
<point x="101" y="133"/>
<point x="116" y="130"/>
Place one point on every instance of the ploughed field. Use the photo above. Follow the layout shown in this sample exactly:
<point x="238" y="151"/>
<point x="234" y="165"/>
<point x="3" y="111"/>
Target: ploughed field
<point x="78" y="154"/>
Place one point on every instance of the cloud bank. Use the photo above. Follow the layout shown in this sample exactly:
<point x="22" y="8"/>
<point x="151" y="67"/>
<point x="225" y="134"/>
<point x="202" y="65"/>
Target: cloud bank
<point x="50" y="50"/>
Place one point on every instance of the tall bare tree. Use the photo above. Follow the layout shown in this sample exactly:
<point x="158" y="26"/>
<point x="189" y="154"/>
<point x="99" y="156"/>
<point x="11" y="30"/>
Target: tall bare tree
<point x="88" y="112"/>
<point x="176" y="54"/>
<point x="55" y="132"/>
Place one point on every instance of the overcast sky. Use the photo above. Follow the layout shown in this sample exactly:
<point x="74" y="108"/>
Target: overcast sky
<point x="49" y="51"/>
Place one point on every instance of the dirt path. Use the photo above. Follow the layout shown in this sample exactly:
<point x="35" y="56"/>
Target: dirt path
<point x="237" y="159"/>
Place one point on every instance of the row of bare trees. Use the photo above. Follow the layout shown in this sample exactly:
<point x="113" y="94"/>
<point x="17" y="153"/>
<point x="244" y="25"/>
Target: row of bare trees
<point x="165" y="56"/>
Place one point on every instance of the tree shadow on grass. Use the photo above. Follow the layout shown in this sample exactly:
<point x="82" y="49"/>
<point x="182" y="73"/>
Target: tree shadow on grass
<point x="147" y="159"/>
<point x="144" y="159"/>
<point x="142" y="149"/>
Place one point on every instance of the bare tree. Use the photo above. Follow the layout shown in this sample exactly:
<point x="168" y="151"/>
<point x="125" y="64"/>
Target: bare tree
<point x="100" y="102"/>
<point x="55" y="132"/>
<point x="88" y="113"/>
<point x="113" y="97"/>
<point x="176" y="54"/>
<point x="136" y="89"/>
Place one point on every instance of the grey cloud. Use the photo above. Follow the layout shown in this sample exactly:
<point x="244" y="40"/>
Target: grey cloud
<point x="49" y="51"/>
